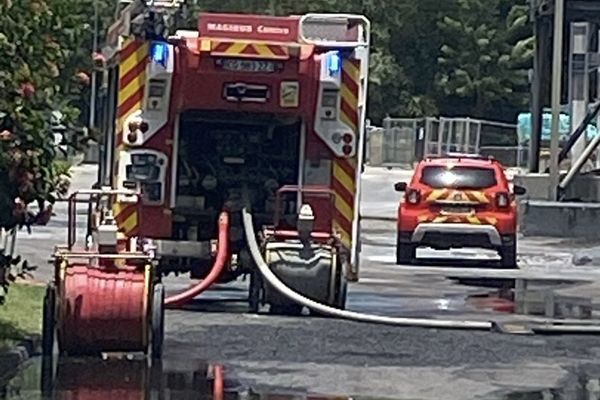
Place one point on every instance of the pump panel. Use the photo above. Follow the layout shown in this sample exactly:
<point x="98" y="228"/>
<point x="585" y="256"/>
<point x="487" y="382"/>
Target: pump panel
<point x="144" y="170"/>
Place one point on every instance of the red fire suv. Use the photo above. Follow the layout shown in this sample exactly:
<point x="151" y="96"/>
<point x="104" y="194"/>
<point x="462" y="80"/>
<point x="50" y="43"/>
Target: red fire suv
<point x="458" y="201"/>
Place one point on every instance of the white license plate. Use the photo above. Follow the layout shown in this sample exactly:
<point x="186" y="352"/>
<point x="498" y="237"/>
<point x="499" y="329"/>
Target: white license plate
<point x="457" y="210"/>
<point x="247" y="65"/>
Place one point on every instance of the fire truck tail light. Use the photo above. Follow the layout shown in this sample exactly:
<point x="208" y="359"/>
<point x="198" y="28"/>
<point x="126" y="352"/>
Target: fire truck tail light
<point x="347" y="149"/>
<point x="348" y="138"/>
<point x="132" y="136"/>
<point x="336" y="138"/>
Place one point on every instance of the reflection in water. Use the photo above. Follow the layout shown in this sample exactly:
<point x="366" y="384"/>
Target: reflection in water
<point x="122" y="379"/>
<point x="93" y="379"/>
<point x="529" y="297"/>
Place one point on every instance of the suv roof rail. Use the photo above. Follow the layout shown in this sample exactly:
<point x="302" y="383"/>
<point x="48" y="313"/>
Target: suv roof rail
<point x="469" y="156"/>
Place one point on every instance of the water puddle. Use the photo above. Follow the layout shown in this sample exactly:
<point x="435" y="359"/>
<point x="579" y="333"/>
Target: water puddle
<point x="121" y="379"/>
<point x="124" y="379"/>
<point x="558" y="299"/>
<point x="579" y="385"/>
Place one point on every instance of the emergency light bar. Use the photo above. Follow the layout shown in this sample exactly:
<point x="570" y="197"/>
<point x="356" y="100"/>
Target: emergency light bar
<point x="159" y="53"/>
<point x="334" y="63"/>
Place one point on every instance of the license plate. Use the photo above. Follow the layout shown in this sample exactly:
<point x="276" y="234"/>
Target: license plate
<point x="247" y="65"/>
<point x="457" y="210"/>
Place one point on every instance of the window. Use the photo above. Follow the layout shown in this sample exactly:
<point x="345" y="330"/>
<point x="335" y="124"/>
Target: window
<point x="458" y="177"/>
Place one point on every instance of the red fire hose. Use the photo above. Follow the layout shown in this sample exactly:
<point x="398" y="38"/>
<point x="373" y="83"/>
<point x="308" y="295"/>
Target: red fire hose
<point x="218" y="389"/>
<point x="222" y="255"/>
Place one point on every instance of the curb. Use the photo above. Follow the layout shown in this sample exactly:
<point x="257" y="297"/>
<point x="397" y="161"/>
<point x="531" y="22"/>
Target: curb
<point x="12" y="360"/>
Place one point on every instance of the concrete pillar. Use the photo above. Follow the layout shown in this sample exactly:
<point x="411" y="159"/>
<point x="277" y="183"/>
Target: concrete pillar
<point x="538" y="88"/>
<point x="376" y="144"/>
<point x="598" y="94"/>
<point x="579" y="81"/>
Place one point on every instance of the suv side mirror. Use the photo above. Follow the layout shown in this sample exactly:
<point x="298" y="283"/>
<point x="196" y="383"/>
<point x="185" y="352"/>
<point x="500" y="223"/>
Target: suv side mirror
<point x="519" y="190"/>
<point x="400" y="186"/>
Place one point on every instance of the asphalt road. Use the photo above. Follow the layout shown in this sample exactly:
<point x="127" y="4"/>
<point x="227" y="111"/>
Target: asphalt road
<point x="343" y="358"/>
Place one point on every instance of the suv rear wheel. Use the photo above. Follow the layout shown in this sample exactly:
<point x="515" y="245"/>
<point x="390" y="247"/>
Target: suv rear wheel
<point x="405" y="253"/>
<point x="508" y="252"/>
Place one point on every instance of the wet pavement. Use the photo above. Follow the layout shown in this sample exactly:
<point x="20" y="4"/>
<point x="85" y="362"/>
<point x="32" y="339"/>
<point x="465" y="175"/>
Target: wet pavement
<point x="122" y="379"/>
<point x="294" y="358"/>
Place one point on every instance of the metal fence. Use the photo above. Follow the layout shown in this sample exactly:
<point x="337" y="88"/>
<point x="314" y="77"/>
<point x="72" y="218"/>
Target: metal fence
<point x="8" y="241"/>
<point x="403" y="141"/>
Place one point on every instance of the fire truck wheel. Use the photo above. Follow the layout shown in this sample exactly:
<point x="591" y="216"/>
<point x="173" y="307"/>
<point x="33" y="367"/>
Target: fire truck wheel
<point x="254" y="293"/>
<point x="49" y="321"/>
<point x="47" y="377"/>
<point x="341" y="291"/>
<point x="286" y="309"/>
<point x="156" y="381"/>
<point x="405" y="253"/>
<point x="158" y="320"/>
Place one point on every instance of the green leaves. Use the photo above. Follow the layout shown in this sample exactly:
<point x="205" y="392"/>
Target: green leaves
<point x="485" y="50"/>
<point x="44" y="43"/>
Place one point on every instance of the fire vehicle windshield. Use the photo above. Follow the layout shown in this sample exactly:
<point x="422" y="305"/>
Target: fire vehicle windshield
<point x="439" y="177"/>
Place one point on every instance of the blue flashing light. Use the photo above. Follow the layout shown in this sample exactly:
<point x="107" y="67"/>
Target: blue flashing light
<point x="159" y="53"/>
<point x="334" y="63"/>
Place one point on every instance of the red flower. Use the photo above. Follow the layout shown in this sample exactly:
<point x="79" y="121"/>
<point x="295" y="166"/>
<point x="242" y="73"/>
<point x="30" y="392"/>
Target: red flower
<point x="6" y="135"/>
<point x="27" y="90"/>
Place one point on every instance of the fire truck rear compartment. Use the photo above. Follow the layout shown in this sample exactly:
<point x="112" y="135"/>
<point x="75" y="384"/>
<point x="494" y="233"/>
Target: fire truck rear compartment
<point x="227" y="161"/>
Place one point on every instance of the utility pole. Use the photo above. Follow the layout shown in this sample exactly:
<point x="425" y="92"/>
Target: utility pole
<point x="94" y="74"/>
<point x="559" y="16"/>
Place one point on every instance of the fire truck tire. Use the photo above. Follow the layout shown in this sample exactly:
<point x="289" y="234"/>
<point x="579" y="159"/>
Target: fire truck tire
<point x="342" y="291"/>
<point x="158" y="321"/>
<point x="49" y="321"/>
<point x="254" y="292"/>
<point x="508" y="253"/>
<point x="289" y="309"/>
<point x="47" y="377"/>
<point x="405" y="253"/>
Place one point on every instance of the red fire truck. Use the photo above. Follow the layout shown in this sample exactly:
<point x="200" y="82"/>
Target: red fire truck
<point x="246" y="111"/>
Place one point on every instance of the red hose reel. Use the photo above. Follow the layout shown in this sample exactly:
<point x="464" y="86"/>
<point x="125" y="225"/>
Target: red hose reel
<point x="105" y="297"/>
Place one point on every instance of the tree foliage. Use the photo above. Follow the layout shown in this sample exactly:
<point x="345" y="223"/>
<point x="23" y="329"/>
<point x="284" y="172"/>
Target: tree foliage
<point x="42" y="70"/>
<point x="482" y="64"/>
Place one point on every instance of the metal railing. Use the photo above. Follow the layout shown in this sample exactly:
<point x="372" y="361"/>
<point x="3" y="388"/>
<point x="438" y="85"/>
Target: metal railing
<point x="404" y="141"/>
